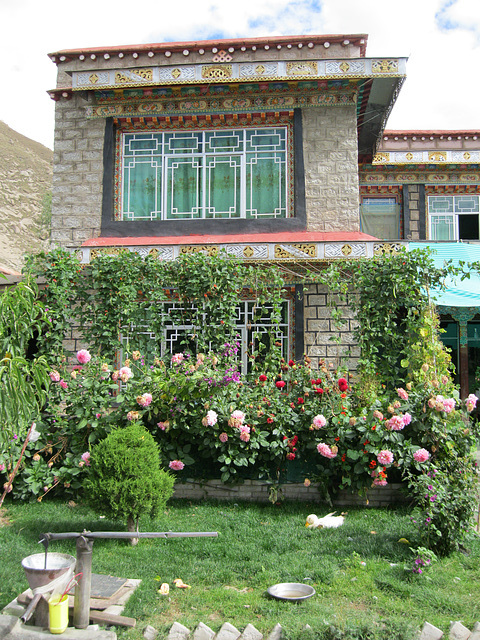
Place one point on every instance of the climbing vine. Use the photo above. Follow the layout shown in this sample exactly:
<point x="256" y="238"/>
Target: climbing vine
<point x="125" y="294"/>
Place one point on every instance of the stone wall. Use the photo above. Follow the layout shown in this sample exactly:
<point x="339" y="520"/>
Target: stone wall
<point x="257" y="491"/>
<point x="331" y="168"/>
<point x="321" y="330"/>
<point x="414" y="212"/>
<point x="77" y="175"/>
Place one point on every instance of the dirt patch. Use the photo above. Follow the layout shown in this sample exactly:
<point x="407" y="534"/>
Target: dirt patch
<point x="4" y="519"/>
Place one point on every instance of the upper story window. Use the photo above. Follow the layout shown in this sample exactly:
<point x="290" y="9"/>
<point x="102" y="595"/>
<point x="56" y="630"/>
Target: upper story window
<point x="380" y="217"/>
<point x="235" y="173"/>
<point x="454" y="217"/>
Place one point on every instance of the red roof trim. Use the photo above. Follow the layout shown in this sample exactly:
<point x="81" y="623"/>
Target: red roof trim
<point x="287" y="236"/>
<point x="355" y="39"/>
<point x="427" y="132"/>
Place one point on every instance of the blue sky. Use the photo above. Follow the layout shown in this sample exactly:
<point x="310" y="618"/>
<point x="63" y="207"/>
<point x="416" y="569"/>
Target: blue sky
<point x="441" y="38"/>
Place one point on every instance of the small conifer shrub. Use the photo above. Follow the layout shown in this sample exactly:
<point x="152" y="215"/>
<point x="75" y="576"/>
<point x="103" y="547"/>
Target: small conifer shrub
<point x="125" y="479"/>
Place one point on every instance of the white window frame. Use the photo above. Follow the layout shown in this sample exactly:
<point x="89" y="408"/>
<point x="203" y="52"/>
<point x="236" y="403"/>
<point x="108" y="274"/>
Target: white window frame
<point x="453" y="209"/>
<point x="162" y="161"/>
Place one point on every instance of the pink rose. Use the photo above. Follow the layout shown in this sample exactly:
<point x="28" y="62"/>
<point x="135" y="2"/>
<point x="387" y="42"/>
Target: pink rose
<point x="86" y="458"/>
<point x="223" y="437"/>
<point x="385" y="457"/>
<point x="471" y="402"/>
<point x="407" y="418"/>
<point x="177" y="358"/>
<point x="176" y="465"/>
<point x="326" y="451"/>
<point x="449" y="405"/>
<point x="244" y="433"/>
<point x="125" y="374"/>
<point x="319" y="421"/>
<point x="54" y="376"/>
<point x="395" y="423"/>
<point x="63" y="384"/>
<point x="145" y="399"/>
<point x="402" y="394"/>
<point x="83" y="356"/>
<point x="211" y="418"/>
<point x="421" y="455"/>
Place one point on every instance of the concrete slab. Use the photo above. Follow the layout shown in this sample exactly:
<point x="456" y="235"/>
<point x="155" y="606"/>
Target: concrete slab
<point x="228" y="632"/>
<point x="458" y="631"/>
<point x="16" y="630"/>
<point x="429" y="632"/>
<point x="203" y="632"/>
<point x="251" y="633"/>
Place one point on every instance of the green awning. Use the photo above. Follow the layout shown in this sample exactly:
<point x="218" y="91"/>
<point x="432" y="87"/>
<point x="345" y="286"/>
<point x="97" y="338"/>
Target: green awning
<point x="458" y="293"/>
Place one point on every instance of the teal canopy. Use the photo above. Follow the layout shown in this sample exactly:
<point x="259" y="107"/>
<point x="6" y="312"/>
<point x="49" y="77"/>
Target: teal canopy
<point x="458" y="293"/>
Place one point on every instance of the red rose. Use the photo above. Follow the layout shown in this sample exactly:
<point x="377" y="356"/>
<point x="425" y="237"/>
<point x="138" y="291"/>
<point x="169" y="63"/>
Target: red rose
<point x="290" y="456"/>
<point x="301" y="401"/>
<point x="262" y="378"/>
<point x="318" y="381"/>
<point x="342" y="384"/>
<point x="291" y="363"/>
<point x="280" y="384"/>
<point x="320" y="391"/>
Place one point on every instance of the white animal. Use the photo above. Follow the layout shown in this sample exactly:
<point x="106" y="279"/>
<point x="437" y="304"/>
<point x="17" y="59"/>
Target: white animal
<point x="329" y="521"/>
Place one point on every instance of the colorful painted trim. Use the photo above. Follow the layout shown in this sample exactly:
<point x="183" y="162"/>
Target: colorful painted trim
<point x="238" y="72"/>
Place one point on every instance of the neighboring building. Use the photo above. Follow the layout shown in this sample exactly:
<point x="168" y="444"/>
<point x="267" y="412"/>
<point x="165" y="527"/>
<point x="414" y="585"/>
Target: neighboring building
<point x="424" y="187"/>
<point x="252" y="146"/>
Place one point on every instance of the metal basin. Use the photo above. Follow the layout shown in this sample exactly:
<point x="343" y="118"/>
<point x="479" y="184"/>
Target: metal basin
<point x="293" y="591"/>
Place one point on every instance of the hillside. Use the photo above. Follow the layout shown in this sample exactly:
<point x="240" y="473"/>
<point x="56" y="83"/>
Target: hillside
<point x="25" y="180"/>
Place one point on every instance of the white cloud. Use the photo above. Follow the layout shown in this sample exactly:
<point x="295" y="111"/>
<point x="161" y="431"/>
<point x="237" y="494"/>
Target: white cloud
<point x="440" y="37"/>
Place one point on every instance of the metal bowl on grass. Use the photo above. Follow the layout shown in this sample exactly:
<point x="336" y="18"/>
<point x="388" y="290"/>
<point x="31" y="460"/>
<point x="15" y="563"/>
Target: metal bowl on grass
<point x="292" y="591"/>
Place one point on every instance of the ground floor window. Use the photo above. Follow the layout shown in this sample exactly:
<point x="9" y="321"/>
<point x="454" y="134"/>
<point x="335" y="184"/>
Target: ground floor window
<point x="255" y="331"/>
<point x="454" y="217"/>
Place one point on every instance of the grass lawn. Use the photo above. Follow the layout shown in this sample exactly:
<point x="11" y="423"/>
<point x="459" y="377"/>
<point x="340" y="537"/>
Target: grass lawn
<point x="358" y="570"/>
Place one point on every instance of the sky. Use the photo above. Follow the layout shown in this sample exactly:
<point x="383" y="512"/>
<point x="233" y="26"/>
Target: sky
<point x="440" y="38"/>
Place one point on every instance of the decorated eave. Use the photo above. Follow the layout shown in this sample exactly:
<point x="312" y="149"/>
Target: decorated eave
<point x="429" y="147"/>
<point x="302" y="248"/>
<point x="147" y="83"/>
<point x="204" y="47"/>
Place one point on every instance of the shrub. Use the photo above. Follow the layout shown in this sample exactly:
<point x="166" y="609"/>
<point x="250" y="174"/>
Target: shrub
<point x="125" y="479"/>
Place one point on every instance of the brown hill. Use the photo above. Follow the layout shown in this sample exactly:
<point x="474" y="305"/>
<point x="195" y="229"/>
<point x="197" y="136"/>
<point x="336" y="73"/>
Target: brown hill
<point x="25" y="188"/>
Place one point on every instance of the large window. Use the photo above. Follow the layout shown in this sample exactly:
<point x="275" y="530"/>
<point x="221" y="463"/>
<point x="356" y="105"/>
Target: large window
<point x="207" y="174"/>
<point x="380" y="217"/>
<point x="454" y="217"/>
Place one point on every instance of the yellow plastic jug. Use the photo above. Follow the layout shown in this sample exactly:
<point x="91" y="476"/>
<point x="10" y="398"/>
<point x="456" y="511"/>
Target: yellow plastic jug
<point x="58" y="613"/>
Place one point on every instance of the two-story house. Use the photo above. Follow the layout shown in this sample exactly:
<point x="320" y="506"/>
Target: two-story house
<point x="251" y="146"/>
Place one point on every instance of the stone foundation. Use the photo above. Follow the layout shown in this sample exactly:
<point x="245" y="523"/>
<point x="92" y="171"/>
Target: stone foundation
<point x="257" y="491"/>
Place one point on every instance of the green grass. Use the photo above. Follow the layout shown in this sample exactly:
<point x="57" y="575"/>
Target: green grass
<point x="258" y="546"/>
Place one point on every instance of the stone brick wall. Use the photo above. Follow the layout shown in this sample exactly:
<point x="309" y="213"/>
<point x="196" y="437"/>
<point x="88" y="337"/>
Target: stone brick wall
<point x="257" y="491"/>
<point x="331" y="168"/>
<point x="77" y="174"/>
<point x="320" y="328"/>
<point x="414" y="212"/>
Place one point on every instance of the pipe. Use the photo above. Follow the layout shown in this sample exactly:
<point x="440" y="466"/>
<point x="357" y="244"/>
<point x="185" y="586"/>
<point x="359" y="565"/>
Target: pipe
<point x="31" y="608"/>
<point x="46" y="537"/>
<point x="81" y="603"/>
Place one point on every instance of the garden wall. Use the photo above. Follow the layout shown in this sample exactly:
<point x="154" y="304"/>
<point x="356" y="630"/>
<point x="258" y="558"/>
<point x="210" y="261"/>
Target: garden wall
<point x="257" y="491"/>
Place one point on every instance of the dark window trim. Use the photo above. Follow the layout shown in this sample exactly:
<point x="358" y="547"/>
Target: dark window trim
<point x="157" y="228"/>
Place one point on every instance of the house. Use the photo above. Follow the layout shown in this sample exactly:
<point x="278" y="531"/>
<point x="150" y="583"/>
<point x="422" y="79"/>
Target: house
<point x="250" y="146"/>
<point x="271" y="149"/>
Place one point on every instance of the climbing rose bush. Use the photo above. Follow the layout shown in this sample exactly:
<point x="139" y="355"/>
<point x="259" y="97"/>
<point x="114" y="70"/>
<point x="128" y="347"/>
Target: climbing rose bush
<point x="209" y="420"/>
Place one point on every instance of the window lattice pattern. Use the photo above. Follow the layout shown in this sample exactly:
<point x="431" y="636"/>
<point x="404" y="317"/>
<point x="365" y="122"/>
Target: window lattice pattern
<point x="253" y="323"/>
<point x="220" y="174"/>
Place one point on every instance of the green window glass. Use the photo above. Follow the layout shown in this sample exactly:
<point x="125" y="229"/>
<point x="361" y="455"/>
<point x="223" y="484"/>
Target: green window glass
<point x="224" y="174"/>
